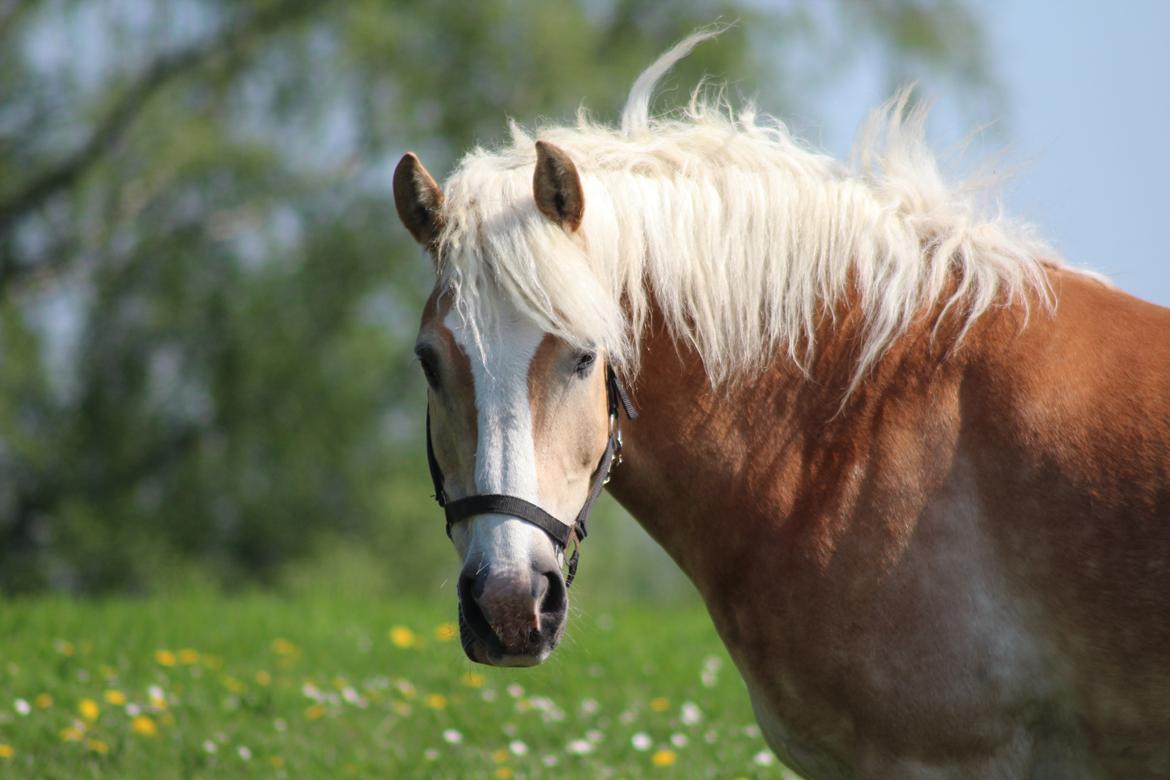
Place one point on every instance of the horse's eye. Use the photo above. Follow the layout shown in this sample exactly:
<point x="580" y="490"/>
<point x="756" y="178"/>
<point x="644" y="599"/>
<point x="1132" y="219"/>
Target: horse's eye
<point x="431" y="374"/>
<point x="426" y="359"/>
<point x="584" y="363"/>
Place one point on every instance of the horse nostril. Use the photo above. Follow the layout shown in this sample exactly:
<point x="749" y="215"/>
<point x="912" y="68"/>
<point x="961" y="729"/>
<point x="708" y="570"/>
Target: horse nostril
<point x="471" y="587"/>
<point x="472" y="584"/>
<point x="553" y="599"/>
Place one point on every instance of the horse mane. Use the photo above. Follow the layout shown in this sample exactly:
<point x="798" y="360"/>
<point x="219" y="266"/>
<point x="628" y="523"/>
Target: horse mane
<point x="738" y="236"/>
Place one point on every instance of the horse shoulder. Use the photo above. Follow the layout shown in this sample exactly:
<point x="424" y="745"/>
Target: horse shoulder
<point x="1067" y="428"/>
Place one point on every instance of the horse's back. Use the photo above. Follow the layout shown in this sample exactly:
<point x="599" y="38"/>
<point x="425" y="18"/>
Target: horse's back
<point x="1068" y="425"/>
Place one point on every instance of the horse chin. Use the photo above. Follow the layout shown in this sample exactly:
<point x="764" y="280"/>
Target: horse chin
<point x="480" y="654"/>
<point x="520" y="660"/>
<point x="490" y="651"/>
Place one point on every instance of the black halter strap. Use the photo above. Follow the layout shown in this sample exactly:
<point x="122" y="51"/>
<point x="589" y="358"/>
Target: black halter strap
<point x="561" y="533"/>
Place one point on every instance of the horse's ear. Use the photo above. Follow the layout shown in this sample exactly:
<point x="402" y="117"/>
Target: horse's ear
<point x="418" y="200"/>
<point x="557" y="187"/>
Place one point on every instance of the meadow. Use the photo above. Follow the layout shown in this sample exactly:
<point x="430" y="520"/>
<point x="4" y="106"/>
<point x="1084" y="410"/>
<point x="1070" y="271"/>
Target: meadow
<point x="269" y="687"/>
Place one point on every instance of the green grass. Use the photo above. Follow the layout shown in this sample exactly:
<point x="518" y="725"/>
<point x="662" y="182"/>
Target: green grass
<point x="266" y="687"/>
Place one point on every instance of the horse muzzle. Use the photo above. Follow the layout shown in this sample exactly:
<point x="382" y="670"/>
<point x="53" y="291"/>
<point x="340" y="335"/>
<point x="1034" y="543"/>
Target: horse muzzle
<point x="511" y="618"/>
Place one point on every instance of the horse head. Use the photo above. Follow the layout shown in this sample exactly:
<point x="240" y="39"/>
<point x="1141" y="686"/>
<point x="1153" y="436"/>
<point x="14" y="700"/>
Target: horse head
<point x="520" y="431"/>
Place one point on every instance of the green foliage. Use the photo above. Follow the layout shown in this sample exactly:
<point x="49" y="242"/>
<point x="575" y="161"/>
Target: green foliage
<point x="206" y="303"/>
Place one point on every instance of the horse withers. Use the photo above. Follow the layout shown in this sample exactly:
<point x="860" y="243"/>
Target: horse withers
<point x="918" y="468"/>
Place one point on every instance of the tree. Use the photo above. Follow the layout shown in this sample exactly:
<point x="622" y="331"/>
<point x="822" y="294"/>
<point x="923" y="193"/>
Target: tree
<point x="206" y="307"/>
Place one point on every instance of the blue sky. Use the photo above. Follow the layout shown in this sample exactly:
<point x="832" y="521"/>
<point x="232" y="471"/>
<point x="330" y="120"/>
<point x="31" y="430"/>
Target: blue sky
<point x="1084" y="125"/>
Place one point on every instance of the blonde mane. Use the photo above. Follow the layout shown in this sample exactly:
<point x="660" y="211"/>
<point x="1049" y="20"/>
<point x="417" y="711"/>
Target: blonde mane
<point x="732" y="230"/>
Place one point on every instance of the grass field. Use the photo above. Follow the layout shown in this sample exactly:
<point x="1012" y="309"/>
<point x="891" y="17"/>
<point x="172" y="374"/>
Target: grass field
<point x="259" y="686"/>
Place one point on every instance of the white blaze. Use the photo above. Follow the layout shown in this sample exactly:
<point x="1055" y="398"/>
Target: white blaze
<point x="505" y="453"/>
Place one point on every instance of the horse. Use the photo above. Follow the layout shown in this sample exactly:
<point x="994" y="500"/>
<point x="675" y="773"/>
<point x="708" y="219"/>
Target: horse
<point x="917" y="466"/>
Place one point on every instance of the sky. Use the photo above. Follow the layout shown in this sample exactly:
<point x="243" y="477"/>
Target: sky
<point x="1084" y="125"/>
<point x="1085" y="129"/>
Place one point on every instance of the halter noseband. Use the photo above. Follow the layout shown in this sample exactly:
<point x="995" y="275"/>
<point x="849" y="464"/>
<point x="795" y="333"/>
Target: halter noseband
<point x="561" y="533"/>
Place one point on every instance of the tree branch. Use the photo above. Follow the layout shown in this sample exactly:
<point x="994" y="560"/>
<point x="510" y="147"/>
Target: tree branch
<point x="113" y="125"/>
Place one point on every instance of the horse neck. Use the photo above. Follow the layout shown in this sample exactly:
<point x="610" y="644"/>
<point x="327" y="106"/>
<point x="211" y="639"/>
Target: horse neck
<point x="769" y="467"/>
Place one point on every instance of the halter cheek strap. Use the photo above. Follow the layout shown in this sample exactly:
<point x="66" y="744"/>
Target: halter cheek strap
<point x="561" y="533"/>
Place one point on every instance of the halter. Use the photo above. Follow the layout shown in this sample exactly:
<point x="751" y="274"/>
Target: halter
<point x="561" y="533"/>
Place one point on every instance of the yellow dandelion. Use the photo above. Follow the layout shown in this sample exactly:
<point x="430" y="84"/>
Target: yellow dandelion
<point x="64" y="647"/>
<point x="503" y="773"/>
<point x="314" y="711"/>
<point x="164" y="658"/>
<point x="339" y="683"/>
<point x="89" y="709"/>
<point x="263" y="678"/>
<point x="44" y="701"/>
<point x="72" y="734"/>
<point x="7" y="751"/>
<point x="97" y="746"/>
<point x="473" y="680"/>
<point x="117" y="698"/>
<point x="660" y="704"/>
<point x="500" y="756"/>
<point x="188" y="656"/>
<point x="403" y="637"/>
<point x="144" y="726"/>
<point x="276" y="761"/>
<point x="436" y="701"/>
<point x="232" y="684"/>
<point x="445" y="632"/>
<point x="282" y="646"/>
<point x="664" y="758"/>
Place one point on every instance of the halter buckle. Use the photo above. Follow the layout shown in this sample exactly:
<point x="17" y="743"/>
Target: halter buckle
<point x="615" y="435"/>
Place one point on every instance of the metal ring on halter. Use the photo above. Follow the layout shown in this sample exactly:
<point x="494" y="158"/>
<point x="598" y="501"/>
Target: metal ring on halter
<point x="615" y="441"/>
